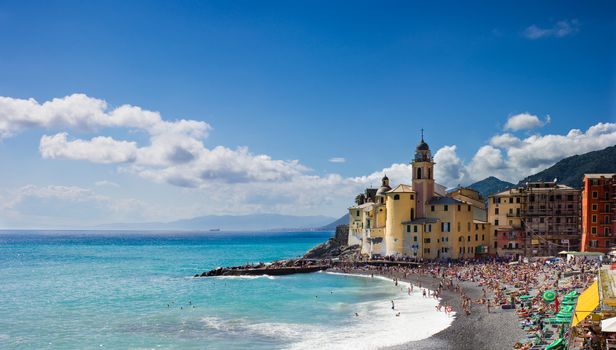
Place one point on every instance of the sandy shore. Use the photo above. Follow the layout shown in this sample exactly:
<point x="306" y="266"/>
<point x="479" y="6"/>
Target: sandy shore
<point x="481" y="330"/>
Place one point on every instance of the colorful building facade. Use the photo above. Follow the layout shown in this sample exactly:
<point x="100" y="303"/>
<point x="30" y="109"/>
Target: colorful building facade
<point x="420" y="220"/>
<point x="598" y="213"/>
<point x="538" y="219"/>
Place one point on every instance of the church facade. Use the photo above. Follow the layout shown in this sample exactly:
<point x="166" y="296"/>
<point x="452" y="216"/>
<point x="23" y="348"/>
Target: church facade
<point x="421" y="220"/>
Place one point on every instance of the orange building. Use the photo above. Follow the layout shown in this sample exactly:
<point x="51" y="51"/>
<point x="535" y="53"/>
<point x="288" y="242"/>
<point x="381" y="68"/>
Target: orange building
<point x="599" y="213"/>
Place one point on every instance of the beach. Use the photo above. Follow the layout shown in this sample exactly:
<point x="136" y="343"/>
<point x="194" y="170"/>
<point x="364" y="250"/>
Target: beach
<point x="480" y="330"/>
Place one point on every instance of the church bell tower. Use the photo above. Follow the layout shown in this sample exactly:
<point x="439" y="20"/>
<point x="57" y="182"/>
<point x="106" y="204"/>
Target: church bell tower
<point x="423" y="176"/>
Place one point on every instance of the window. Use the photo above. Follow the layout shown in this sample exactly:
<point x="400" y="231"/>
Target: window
<point x="408" y="228"/>
<point x="594" y="207"/>
<point x="476" y="227"/>
<point x="510" y="211"/>
<point x="426" y="250"/>
<point x="594" y="244"/>
<point x="541" y="220"/>
<point x="414" y="238"/>
<point x="606" y="230"/>
<point x="412" y="197"/>
<point x="607" y="195"/>
<point x="357" y="213"/>
<point x="495" y="211"/>
<point x="432" y="208"/>
<point x="418" y="173"/>
<point x="595" y="194"/>
<point x="483" y="237"/>
<point x="468" y="238"/>
<point x="428" y="228"/>
<point x="496" y="222"/>
<point x="459" y="226"/>
<point x="469" y="208"/>
<point x="593" y="230"/>
<point x="414" y="228"/>
<point x="510" y="198"/>
<point x="445" y="207"/>
<point x="594" y="218"/>
<point x="468" y="226"/>
<point x="460" y="239"/>
<point x="397" y="197"/>
<point x="426" y="240"/>
<point x="476" y="237"/>
<point x="517" y="199"/>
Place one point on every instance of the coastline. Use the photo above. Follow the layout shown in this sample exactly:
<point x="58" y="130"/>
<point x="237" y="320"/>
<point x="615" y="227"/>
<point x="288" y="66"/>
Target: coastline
<point x="474" y="332"/>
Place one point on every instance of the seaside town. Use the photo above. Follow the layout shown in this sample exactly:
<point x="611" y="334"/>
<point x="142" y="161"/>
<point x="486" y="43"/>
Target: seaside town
<point x="541" y="251"/>
<point x="535" y="261"/>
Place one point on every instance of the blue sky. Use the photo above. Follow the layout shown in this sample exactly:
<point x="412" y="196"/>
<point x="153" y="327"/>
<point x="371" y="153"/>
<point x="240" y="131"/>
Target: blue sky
<point x="294" y="81"/>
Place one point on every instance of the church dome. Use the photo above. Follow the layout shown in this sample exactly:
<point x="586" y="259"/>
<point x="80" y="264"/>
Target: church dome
<point x="422" y="146"/>
<point x="382" y="190"/>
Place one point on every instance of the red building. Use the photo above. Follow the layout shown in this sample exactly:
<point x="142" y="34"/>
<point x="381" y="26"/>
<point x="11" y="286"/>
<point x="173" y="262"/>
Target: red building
<point x="599" y="213"/>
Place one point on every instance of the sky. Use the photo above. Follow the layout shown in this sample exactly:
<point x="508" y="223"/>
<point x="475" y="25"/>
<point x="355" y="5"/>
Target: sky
<point x="135" y="111"/>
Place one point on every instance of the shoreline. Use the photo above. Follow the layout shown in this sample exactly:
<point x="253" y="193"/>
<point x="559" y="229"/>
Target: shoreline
<point x="474" y="332"/>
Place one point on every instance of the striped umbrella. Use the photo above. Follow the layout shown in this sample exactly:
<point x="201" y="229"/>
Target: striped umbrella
<point x="549" y="296"/>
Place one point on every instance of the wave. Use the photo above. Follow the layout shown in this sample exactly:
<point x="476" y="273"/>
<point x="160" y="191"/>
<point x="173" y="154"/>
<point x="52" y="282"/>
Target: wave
<point x="246" y="277"/>
<point x="376" y="326"/>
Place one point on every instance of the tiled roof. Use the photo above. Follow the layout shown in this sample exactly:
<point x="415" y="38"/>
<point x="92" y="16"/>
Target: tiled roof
<point x="401" y="189"/>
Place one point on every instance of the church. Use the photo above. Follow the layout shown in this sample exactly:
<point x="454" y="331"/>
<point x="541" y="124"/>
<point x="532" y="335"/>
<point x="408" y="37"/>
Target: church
<point x="421" y="220"/>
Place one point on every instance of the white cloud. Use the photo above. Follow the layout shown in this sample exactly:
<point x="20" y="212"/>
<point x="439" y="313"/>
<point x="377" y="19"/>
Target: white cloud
<point x="106" y="183"/>
<point x="72" y="206"/>
<point x="175" y="153"/>
<point x="449" y="169"/>
<point x="337" y="160"/>
<point x="559" y="30"/>
<point x="511" y="158"/>
<point x="100" y="149"/>
<point x="525" y="121"/>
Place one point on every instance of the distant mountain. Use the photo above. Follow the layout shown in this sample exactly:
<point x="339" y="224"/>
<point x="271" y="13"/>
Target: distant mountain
<point x="570" y="171"/>
<point x="491" y="185"/>
<point x="254" y="222"/>
<point x="332" y="226"/>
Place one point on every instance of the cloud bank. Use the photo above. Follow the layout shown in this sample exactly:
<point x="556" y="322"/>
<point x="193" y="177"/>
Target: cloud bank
<point x="221" y="180"/>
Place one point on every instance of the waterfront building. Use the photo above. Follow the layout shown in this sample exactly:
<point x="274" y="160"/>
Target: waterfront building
<point x="538" y="219"/>
<point x="598" y="213"/>
<point x="421" y="220"/>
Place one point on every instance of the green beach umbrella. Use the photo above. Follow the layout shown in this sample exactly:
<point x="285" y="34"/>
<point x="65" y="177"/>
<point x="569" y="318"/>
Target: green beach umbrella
<point x="549" y="296"/>
<point x="525" y="297"/>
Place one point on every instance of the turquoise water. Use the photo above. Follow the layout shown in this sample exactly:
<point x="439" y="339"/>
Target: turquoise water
<point x="111" y="290"/>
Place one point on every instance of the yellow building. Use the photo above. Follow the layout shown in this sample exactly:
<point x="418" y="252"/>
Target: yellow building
<point x="420" y="220"/>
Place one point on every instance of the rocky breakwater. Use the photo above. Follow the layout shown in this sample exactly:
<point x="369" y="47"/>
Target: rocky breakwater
<point x="277" y="268"/>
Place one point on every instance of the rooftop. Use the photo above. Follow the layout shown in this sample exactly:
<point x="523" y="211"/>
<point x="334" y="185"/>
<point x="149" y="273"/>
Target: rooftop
<point x="444" y="200"/>
<point x="598" y="176"/>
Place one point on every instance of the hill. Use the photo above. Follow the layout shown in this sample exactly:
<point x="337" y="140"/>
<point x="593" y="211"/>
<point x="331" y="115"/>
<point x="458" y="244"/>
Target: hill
<point x="332" y="226"/>
<point x="491" y="185"/>
<point x="570" y="171"/>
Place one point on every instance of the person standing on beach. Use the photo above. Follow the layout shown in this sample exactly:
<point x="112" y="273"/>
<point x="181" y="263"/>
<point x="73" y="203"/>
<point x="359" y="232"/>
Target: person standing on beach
<point x="392" y="305"/>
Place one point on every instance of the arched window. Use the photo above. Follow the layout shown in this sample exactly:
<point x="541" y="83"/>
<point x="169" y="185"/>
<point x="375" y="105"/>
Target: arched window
<point x="419" y="173"/>
<point x="429" y="173"/>
<point x="397" y="197"/>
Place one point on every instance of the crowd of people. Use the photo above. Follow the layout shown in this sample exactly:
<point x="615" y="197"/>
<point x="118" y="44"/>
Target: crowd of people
<point x="502" y="283"/>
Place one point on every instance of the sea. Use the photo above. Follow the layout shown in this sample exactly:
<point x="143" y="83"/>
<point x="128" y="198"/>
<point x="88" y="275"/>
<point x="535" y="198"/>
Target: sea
<point x="136" y="290"/>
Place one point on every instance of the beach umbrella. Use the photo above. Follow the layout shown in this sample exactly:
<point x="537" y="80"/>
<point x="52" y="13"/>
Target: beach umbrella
<point x="549" y="296"/>
<point x="525" y="297"/>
